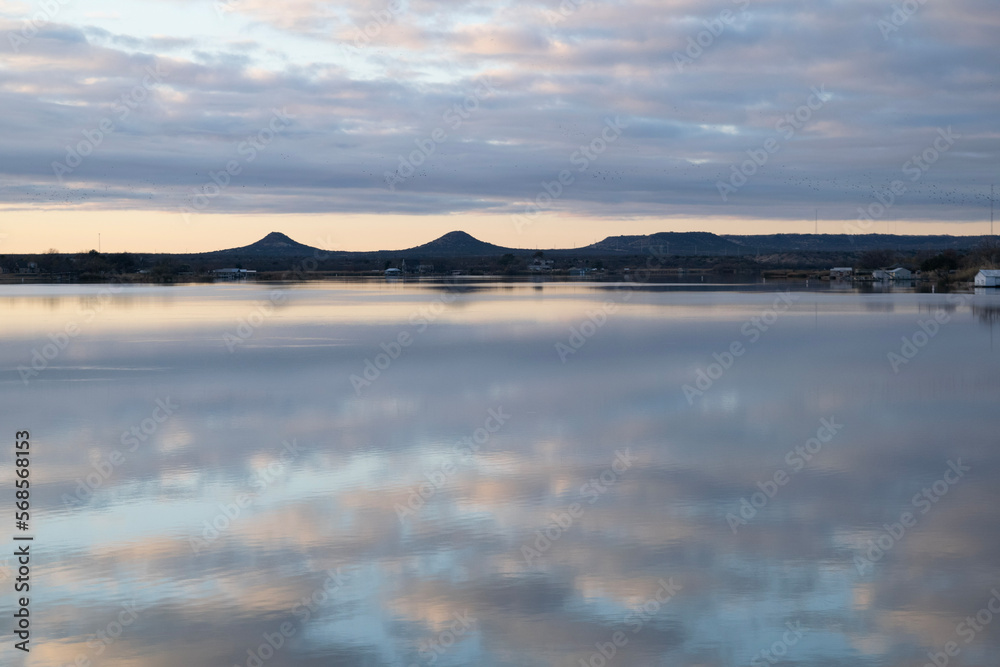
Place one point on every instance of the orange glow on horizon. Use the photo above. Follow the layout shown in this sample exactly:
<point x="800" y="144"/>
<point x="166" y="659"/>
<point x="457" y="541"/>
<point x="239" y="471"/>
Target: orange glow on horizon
<point x="23" y="231"/>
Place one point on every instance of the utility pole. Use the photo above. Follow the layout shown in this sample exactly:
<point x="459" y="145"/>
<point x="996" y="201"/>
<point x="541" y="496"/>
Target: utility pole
<point x="98" y="243"/>
<point x="991" y="210"/>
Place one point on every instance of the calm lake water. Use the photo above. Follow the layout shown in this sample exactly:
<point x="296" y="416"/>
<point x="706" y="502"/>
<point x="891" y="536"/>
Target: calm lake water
<point x="523" y="474"/>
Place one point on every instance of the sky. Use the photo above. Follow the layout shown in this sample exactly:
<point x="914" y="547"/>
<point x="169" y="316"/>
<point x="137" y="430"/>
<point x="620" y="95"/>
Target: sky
<point x="191" y="125"/>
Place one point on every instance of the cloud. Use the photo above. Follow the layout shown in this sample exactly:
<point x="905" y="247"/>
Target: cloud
<point x="362" y="106"/>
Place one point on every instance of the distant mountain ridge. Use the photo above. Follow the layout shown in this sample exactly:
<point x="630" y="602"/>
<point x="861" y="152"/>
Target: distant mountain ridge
<point x="849" y="242"/>
<point x="706" y="243"/>
<point x="462" y="244"/>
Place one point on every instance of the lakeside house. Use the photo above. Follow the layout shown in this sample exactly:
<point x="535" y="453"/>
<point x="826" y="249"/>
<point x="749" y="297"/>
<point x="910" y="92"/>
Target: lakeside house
<point x="988" y="278"/>
<point x="841" y="273"/>
<point x="898" y="273"/>
<point x="233" y="274"/>
<point x="393" y="272"/>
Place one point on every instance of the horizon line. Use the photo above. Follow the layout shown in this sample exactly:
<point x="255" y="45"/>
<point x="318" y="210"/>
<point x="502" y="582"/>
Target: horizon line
<point x="525" y="249"/>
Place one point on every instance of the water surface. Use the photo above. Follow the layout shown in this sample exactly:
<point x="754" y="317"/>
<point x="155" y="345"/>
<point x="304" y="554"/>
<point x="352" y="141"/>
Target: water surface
<point x="524" y="480"/>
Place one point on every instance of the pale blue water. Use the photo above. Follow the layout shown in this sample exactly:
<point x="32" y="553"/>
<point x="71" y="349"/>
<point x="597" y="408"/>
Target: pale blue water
<point x="165" y="414"/>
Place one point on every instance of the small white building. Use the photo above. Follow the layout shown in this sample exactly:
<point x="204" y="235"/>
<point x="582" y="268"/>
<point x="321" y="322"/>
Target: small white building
<point x="900" y="274"/>
<point x="880" y="274"/>
<point x="393" y="272"/>
<point x="841" y="273"/>
<point x="234" y="274"/>
<point x="988" y="278"/>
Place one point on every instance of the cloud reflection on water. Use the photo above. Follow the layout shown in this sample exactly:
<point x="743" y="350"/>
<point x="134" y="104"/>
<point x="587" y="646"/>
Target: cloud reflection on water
<point x="333" y="505"/>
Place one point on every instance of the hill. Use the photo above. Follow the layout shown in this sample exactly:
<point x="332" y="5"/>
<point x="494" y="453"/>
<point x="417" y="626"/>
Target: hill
<point x="855" y="243"/>
<point x="274" y="244"/>
<point x="457" y="244"/>
<point x="708" y="244"/>
<point x="669" y="243"/>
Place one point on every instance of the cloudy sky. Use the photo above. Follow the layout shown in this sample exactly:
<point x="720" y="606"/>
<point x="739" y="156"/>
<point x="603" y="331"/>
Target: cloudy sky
<point x="177" y="125"/>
